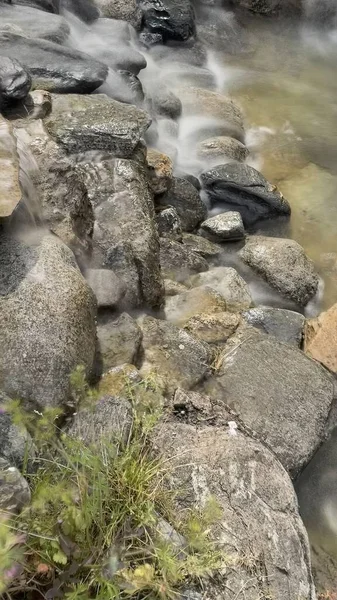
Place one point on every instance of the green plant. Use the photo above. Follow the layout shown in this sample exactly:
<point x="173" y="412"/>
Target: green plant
<point x="92" y="528"/>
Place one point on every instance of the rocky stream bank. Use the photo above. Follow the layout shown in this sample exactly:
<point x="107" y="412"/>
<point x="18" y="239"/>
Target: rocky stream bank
<point x="114" y="258"/>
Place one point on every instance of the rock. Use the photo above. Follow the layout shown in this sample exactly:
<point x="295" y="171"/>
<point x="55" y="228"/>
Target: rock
<point x="38" y="104"/>
<point x="120" y="258"/>
<point x="15" y="442"/>
<point x="53" y="67"/>
<point x="181" y="360"/>
<point x="256" y="519"/>
<point x="48" y="326"/>
<point x="15" y="81"/>
<point x="220" y="30"/>
<point x="173" y="19"/>
<point x="119" y="340"/>
<point x="121" y="56"/>
<point x="168" y="224"/>
<point x="165" y="103"/>
<point x="109" y="419"/>
<point x="132" y="92"/>
<point x="51" y="6"/>
<point x="213" y="328"/>
<point x="284" y="265"/>
<point x="198" y="101"/>
<point x="160" y="171"/>
<point x="86" y="10"/>
<point x="186" y="200"/>
<point x="14" y="489"/>
<point x="227" y="226"/>
<point x="215" y="150"/>
<point x="150" y="39"/>
<point x="178" y="261"/>
<point x="10" y="190"/>
<point x="118" y="381"/>
<point x="201" y="300"/>
<point x="201" y="245"/>
<point x="34" y="23"/>
<point x="242" y="188"/>
<point x="107" y="287"/>
<point x="128" y="214"/>
<point x="278" y="393"/>
<point x="320" y="338"/>
<point x="323" y="13"/>
<point x="172" y="288"/>
<point x="81" y="123"/>
<point x="70" y="215"/>
<point x="285" y="325"/>
<point x="127" y="10"/>
<point x="267" y="7"/>
<point x="229" y="284"/>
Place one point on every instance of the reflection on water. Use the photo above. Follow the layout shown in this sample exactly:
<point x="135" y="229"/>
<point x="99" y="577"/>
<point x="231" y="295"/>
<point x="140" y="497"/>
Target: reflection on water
<point x="289" y="95"/>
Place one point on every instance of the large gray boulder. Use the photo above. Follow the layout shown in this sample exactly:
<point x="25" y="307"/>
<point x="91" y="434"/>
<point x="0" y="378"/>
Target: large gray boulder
<point x="179" y="358"/>
<point x="284" y="265"/>
<point x="259" y="529"/>
<point x="54" y="67"/>
<point x="185" y="198"/>
<point x="48" y="325"/>
<point x="241" y="188"/>
<point x="174" y="19"/>
<point x="279" y="394"/>
<point x="81" y="123"/>
<point x="107" y="287"/>
<point x="119" y="341"/>
<point x="60" y="196"/>
<point x="34" y="23"/>
<point x="127" y="216"/>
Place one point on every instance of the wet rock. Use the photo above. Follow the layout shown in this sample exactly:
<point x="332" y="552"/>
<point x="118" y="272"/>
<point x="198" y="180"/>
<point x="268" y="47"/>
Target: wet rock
<point x="178" y="262"/>
<point x="150" y="39"/>
<point x="10" y="191"/>
<point x="227" y="226"/>
<point x="201" y="245"/>
<point x="160" y="171"/>
<point x="285" y="325"/>
<point x="284" y="265"/>
<point x="34" y="23"/>
<point x="123" y="86"/>
<point x="15" y="81"/>
<point x="216" y="150"/>
<point x="51" y="6"/>
<point x="257" y="520"/>
<point x="165" y="103"/>
<point x="127" y="218"/>
<point x="14" y="489"/>
<point x="38" y="104"/>
<point x="127" y="10"/>
<point x="229" y="284"/>
<point x="320" y="338"/>
<point x="108" y="288"/>
<point x="53" y="67"/>
<point x="48" y="321"/>
<point x="213" y="328"/>
<point x="81" y="123"/>
<point x="219" y="29"/>
<point x="119" y="340"/>
<point x="110" y="419"/>
<point x="201" y="300"/>
<point x="86" y="10"/>
<point x="186" y="200"/>
<point x="242" y="188"/>
<point x="15" y="442"/>
<point x="172" y="288"/>
<point x="198" y="101"/>
<point x="63" y="202"/>
<point x="169" y="224"/>
<point x="268" y="7"/>
<point x="173" y="19"/>
<point x="121" y="56"/>
<point x="323" y="13"/>
<point x="278" y="393"/>
<point x="181" y="360"/>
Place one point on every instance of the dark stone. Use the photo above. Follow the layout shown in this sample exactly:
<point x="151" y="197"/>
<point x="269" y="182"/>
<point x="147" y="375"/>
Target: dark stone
<point x="51" y="6"/>
<point x="168" y="224"/>
<point x="184" y="197"/>
<point x="15" y="81"/>
<point x="285" y="325"/>
<point x="241" y="188"/>
<point x="84" y="9"/>
<point x="54" y="67"/>
<point x="173" y="19"/>
<point x="150" y="39"/>
<point x="178" y="261"/>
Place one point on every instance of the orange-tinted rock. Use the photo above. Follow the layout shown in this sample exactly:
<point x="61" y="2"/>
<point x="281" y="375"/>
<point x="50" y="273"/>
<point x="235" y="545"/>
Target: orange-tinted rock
<point x="320" y="338"/>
